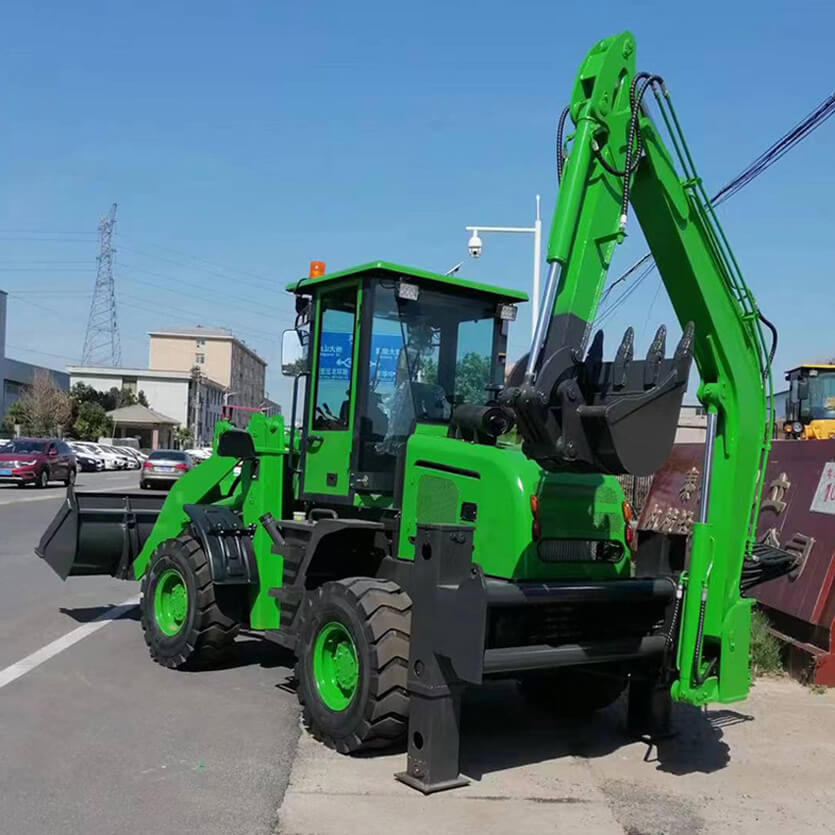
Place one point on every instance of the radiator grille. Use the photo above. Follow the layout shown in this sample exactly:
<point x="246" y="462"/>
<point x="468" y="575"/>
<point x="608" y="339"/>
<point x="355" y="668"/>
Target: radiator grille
<point x="579" y="550"/>
<point x="437" y="500"/>
<point x="572" y="623"/>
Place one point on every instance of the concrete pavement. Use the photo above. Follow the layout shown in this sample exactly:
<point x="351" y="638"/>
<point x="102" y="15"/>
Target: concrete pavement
<point x="98" y="739"/>
<point x="762" y="766"/>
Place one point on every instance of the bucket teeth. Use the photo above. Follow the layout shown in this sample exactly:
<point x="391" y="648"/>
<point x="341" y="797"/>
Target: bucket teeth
<point x="654" y="356"/>
<point x="684" y="350"/>
<point x="623" y="357"/>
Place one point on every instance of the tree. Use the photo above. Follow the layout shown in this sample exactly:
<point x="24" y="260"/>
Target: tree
<point x="42" y="409"/>
<point x="472" y="374"/>
<point x="142" y="400"/>
<point x="15" y="416"/>
<point x="182" y="437"/>
<point x="92" y="423"/>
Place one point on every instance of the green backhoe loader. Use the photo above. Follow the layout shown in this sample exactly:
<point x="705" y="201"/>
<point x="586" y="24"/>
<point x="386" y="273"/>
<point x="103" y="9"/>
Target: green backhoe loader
<point x="428" y="520"/>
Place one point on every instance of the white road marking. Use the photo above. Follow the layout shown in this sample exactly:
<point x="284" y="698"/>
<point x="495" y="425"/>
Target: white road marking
<point x="27" y="664"/>
<point x="126" y="487"/>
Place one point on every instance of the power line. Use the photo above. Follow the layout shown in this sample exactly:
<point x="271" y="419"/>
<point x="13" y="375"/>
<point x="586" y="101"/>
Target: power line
<point x="256" y="309"/>
<point x="227" y="272"/>
<point x="806" y="126"/>
<point x="101" y="341"/>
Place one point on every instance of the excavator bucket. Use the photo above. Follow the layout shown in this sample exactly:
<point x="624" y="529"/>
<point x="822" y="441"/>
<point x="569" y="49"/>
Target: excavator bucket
<point x="616" y="417"/>
<point x="631" y="411"/>
<point x="98" y="533"/>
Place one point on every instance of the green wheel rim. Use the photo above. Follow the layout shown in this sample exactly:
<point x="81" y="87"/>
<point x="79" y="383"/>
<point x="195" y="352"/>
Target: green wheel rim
<point x="335" y="666"/>
<point x="170" y="601"/>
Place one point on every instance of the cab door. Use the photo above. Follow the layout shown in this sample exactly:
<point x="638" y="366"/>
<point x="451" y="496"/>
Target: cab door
<point x="330" y="418"/>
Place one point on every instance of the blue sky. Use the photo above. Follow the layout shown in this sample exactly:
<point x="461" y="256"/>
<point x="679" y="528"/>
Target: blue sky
<point x="243" y="140"/>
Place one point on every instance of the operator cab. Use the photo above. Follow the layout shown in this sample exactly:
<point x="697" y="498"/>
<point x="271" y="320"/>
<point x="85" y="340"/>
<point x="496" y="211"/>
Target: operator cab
<point x="390" y="347"/>
<point x="810" y="404"/>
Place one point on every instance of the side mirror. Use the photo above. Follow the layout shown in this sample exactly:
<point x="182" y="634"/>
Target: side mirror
<point x="52" y="452"/>
<point x="236" y="443"/>
<point x="293" y="353"/>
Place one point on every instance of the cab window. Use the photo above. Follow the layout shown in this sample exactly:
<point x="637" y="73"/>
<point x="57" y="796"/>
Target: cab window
<point x="334" y="364"/>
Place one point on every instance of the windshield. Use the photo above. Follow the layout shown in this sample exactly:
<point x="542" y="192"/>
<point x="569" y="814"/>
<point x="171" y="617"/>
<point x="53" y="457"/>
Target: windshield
<point x="25" y="445"/>
<point x="168" y="455"/>
<point x="820" y="403"/>
<point x="426" y="357"/>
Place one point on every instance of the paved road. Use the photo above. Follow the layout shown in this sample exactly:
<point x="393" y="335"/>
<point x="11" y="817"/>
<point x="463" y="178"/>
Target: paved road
<point x="98" y="739"/>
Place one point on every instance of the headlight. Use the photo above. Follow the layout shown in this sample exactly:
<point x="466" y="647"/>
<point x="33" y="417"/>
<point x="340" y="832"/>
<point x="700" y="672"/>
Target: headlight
<point x="797" y="427"/>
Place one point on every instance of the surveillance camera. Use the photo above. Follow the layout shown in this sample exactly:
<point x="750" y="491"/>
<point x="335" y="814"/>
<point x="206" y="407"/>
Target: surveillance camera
<point x="475" y="245"/>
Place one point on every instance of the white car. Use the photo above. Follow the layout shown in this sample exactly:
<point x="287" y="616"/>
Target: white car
<point x="86" y="459"/>
<point x="112" y="459"/>
<point x="131" y="456"/>
<point x="88" y="448"/>
<point x="199" y="455"/>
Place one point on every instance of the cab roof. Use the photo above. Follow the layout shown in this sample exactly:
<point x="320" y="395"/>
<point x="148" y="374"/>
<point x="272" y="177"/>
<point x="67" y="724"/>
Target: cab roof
<point x="385" y="269"/>
<point x="811" y="365"/>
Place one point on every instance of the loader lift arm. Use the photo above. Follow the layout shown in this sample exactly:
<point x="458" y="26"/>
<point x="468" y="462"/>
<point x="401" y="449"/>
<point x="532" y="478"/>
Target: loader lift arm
<point x="576" y="412"/>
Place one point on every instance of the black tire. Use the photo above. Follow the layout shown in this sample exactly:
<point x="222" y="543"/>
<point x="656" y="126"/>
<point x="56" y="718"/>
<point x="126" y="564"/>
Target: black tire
<point x="574" y="690"/>
<point x="70" y="479"/>
<point x="42" y="479"/>
<point x="207" y="634"/>
<point x="377" y="614"/>
<point x="143" y="485"/>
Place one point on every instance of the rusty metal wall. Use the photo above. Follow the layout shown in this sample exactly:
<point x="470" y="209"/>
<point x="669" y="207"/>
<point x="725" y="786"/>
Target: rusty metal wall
<point x="797" y="514"/>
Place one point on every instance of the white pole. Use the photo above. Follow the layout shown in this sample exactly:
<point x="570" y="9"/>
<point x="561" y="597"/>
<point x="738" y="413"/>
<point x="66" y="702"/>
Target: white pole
<point x="537" y="264"/>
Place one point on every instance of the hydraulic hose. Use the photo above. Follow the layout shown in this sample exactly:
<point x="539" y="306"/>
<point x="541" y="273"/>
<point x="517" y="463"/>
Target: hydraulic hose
<point x="560" y="155"/>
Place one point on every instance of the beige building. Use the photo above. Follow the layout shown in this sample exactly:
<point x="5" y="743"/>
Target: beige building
<point x="219" y="355"/>
<point x="190" y="403"/>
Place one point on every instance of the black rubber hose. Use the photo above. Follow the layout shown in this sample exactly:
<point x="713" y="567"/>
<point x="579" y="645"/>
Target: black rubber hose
<point x="560" y="157"/>
<point x="699" y="680"/>
<point x="773" y="329"/>
<point x="675" y="617"/>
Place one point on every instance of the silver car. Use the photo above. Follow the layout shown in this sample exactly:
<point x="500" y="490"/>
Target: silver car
<point x="163" y="467"/>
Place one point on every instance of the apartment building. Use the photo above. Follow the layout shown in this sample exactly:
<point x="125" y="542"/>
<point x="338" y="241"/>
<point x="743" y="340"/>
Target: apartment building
<point x="219" y="355"/>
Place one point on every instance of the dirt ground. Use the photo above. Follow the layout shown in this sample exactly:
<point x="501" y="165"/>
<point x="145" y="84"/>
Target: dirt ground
<point x="764" y="765"/>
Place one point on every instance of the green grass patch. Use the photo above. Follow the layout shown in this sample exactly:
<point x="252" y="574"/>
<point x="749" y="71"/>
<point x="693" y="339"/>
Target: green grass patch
<point x="766" y="657"/>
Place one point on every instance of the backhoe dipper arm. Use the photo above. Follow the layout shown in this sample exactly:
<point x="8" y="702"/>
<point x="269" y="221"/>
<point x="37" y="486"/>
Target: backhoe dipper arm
<point x="577" y="412"/>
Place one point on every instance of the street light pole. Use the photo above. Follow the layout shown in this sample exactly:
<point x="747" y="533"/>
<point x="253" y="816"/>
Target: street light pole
<point x="226" y="396"/>
<point x="536" y="230"/>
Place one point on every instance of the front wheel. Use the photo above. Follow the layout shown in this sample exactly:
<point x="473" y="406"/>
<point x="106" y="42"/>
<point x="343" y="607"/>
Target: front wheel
<point x="43" y="479"/>
<point x="352" y="665"/>
<point x="181" y="619"/>
<point x="70" y="479"/>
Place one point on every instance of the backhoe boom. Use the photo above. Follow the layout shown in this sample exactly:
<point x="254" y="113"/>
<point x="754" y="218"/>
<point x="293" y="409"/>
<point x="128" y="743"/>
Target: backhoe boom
<point x="577" y="412"/>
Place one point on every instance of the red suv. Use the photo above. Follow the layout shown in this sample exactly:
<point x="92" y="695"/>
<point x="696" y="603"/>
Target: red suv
<point x="37" y="461"/>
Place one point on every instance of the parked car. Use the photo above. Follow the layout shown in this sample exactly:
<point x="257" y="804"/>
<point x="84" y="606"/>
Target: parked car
<point x="37" y="461"/>
<point x="131" y="456"/>
<point x="198" y="455"/>
<point x="164" y="466"/>
<point x="86" y="459"/>
<point x="113" y="460"/>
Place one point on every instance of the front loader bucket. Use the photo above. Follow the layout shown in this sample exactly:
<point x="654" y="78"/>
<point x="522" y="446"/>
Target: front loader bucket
<point x="98" y="533"/>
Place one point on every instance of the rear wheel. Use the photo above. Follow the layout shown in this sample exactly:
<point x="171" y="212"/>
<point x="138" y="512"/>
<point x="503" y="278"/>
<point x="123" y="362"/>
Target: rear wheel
<point x="181" y="619"/>
<point x="574" y="690"/>
<point x="352" y="666"/>
<point x="70" y="479"/>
